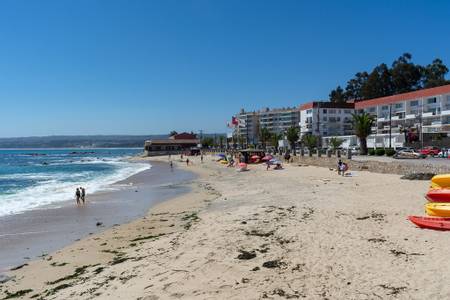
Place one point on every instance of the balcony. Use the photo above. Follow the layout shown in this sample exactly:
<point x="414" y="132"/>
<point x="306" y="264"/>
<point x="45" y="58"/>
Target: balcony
<point x="428" y="114"/>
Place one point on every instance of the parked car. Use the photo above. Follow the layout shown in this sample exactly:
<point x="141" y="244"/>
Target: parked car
<point x="408" y="153"/>
<point x="430" y="150"/>
<point x="403" y="148"/>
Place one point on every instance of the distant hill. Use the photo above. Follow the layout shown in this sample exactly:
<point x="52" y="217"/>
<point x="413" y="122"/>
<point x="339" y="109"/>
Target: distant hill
<point x="83" y="141"/>
<point x="88" y="141"/>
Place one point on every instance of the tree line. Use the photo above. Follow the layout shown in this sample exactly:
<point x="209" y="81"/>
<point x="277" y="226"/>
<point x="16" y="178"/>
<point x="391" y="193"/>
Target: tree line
<point x="403" y="76"/>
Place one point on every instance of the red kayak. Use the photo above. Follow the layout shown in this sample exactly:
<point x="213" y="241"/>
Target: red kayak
<point x="431" y="223"/>
<point x="438" y="195"/>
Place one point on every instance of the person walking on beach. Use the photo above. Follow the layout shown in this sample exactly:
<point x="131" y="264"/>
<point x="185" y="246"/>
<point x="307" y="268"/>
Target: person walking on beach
<point x="171" y="164"/>
<point x="187" y="161"/>
<point x="339" y="166"/>
<point x="83" y="194"/>
<point x="201" y="158"/>
<point x="78" y="195"/>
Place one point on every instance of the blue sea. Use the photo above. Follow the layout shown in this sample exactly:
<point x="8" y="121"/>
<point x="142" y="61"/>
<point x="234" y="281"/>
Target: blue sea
<point x="33" y="178"/>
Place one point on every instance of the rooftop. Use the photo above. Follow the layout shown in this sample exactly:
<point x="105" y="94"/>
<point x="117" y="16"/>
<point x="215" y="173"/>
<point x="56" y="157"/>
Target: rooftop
<point x="445" y="89"/>
<point x="326" y="104"/>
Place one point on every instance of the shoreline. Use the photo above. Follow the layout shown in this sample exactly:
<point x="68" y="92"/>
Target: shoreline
<point x="301" y="232"/>
<point x="48" y="228"/>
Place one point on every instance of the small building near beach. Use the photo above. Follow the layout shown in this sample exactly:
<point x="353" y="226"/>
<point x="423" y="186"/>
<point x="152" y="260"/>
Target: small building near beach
<point x="186" y="143"/>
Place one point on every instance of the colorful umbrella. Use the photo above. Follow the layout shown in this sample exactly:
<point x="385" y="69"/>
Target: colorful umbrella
<point x="255" y="157"/>
<point x="274" y="161"/>
<point x="267" y="157"/>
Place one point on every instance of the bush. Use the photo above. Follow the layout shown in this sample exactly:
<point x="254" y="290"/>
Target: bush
<point x="371" y="152"/>
<point x="390" y="152"/>
<point x="380" y="152"/>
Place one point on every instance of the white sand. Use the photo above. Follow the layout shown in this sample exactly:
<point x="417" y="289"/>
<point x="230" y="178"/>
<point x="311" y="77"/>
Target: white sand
<point x="324" y="236"/>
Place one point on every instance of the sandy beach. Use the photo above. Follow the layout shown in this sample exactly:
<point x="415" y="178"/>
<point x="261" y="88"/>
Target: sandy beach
<point x="301" y="232"/>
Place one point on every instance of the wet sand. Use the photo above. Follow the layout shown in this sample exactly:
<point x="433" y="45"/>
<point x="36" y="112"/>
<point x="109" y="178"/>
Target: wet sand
<point x="34" y="233"/>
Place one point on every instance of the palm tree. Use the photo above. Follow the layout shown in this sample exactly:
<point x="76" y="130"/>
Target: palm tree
<point x="310" y="142"/>
<point x="264" y="136"/>
<point x="362" y="123"/>
<point x="241" y="141"/>
<point x="274" y="138"/>
<point x="292" y="137"/>
<point x="335" y="143"/>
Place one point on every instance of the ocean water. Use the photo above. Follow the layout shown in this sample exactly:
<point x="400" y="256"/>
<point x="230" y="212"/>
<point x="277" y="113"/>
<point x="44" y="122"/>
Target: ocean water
<point x="33" y="178"/>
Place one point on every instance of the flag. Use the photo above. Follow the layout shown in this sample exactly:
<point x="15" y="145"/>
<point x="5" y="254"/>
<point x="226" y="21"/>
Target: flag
<point x="234" y="121"/>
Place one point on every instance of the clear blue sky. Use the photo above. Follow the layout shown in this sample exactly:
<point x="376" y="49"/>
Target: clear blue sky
<point x="141" y="67"/>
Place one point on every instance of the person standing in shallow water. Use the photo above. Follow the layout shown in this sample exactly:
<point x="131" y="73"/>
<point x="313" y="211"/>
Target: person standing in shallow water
<point x="83" y="194"/>
<point x="187" y="161"/>
<point x="78" y="195"/>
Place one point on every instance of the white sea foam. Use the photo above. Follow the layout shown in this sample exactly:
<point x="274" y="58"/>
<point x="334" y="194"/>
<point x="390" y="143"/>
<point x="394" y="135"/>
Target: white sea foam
<point x="54" y="189"/>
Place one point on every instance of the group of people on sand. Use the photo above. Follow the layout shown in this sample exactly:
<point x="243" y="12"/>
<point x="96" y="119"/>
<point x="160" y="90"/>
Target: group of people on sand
<point x="80" y="195"/>
<point x="188" y="162"/>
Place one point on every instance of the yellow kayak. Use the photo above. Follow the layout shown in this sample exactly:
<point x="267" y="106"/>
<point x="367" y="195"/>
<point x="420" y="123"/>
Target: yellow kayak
<point x="438" y="209"/>
<point x="440" y="181"/>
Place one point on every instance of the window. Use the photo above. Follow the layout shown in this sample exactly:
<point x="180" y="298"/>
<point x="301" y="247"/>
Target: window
<point x="398" y="105"/>
<point x="414" y="103"/>
<point x="324" y="111"/>
<point x="332" y="111"/>
<point x="325" y="119"/>
<point x="431" y="100"/>
<point x="347" y="111"/>
<point x="384" y="107"/>
<point x="309" y="111"/>
<point x="338" y="119"/>
<point x="372" y="109"/>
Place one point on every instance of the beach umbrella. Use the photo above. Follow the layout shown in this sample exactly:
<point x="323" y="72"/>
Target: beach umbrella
<point x="274" y="161"/>
<point x="255" y="157"/>
<point x="267" y="157"/>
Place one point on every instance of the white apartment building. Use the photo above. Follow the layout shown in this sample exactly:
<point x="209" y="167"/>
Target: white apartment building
<point x="279" y="120"/>
<point x="421" y="112"/>
<point x="248" y="127"/>
<point x="275" y="120"/>
<point x="323" y="119"/>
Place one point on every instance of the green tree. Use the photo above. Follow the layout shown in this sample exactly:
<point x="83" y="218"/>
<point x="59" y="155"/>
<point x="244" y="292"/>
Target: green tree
<point x="274" y="138"/>
<point x="434" y="74"/>
<point x="241" y="141"/>
<point x="406" y="76"/>
<point x="353" y="90"/>
<point x="378" y="84"/>
<point x="292" y="137"/>
<point x="310" y="141"/>
<point x="207" y="142"/>
<point x="335" y="143"/>
<point x="264" y="136"/>
<point x="362" y="124"/>
<point x="337" y="95"/>
<point x="221" y="140"/>
<point x="172" y="133"/>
